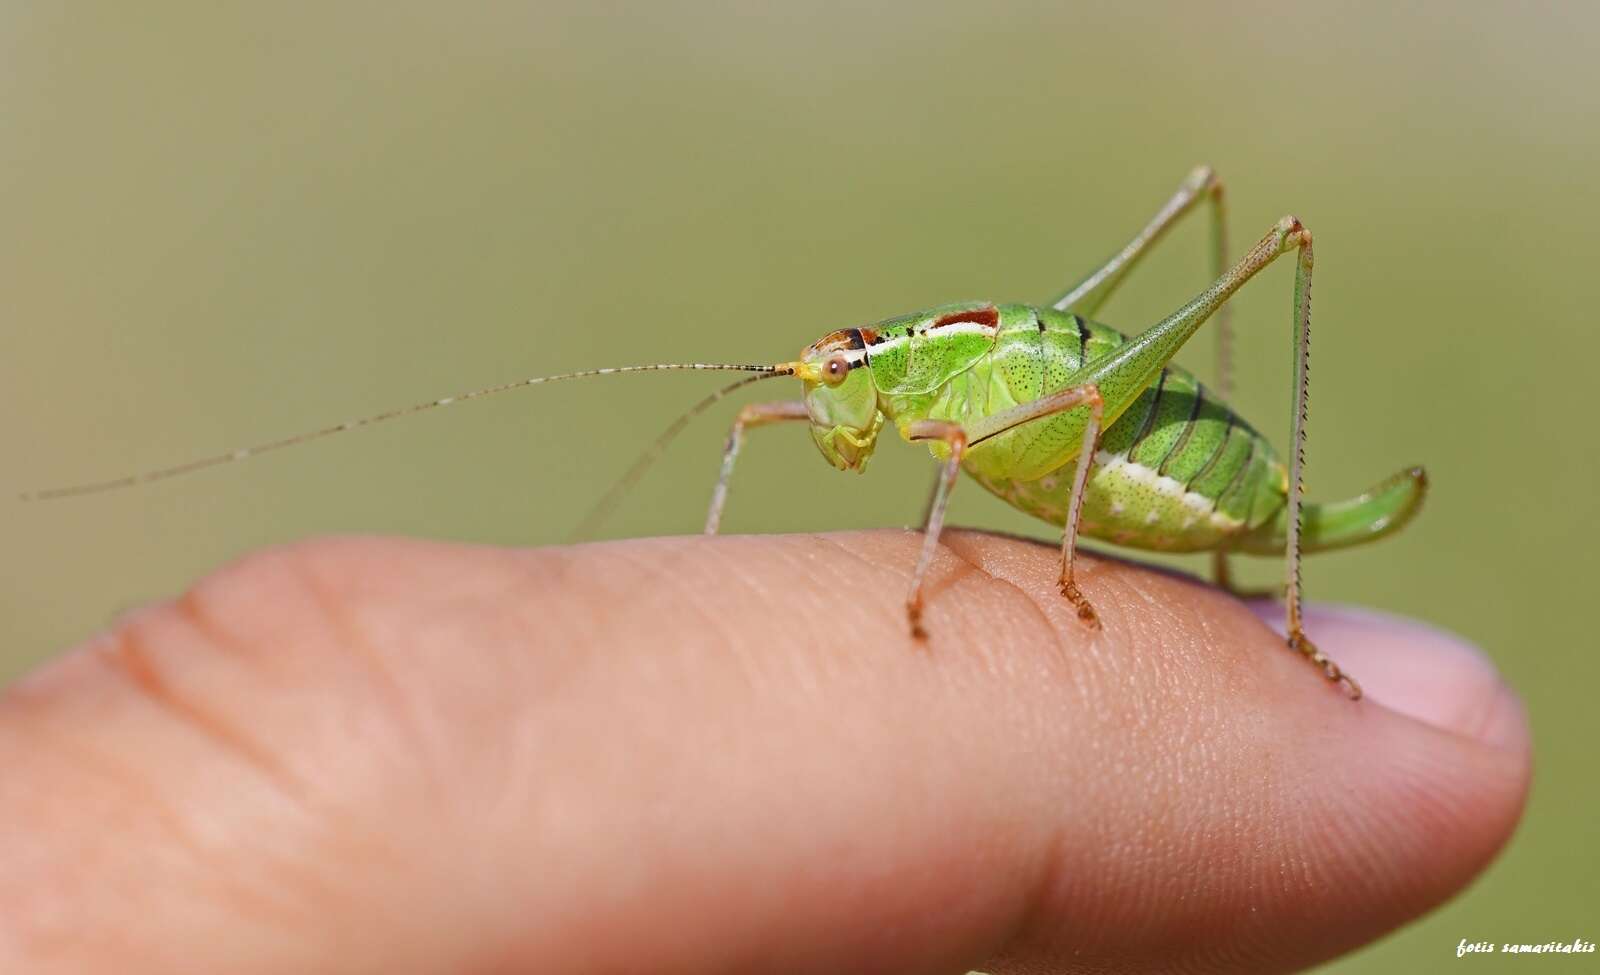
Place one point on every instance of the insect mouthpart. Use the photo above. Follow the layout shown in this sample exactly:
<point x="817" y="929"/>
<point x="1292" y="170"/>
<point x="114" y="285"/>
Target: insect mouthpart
<point x="844" y="448"/>
<point x="843" y="405"/>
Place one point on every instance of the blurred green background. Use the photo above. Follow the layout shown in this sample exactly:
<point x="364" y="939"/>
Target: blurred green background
<point x="223" y="224"/>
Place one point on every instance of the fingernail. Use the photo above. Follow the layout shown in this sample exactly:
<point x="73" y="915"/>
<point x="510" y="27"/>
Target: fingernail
<point x="1416" y="669"/>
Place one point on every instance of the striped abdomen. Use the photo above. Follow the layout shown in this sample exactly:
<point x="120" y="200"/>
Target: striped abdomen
<point x="1177" y="470"/>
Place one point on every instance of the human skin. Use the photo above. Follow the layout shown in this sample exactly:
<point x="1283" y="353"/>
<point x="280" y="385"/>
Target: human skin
<point x="727" y="755"/>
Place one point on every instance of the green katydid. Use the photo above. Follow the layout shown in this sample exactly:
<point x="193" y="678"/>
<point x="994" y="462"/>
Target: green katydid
<point x="1062" y="417"/>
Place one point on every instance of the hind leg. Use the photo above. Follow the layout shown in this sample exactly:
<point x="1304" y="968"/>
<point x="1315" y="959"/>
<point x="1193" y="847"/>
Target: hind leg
<point x="1123" y="373"/>
<point x="1086" y="297"/>
<point x="1222" y="577"/>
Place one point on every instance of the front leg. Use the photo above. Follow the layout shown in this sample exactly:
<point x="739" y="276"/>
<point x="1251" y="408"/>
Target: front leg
<point x="753" y="415"/>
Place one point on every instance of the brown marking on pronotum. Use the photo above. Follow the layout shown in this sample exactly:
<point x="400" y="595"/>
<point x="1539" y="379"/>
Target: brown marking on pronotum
<point x="869" y="335"/>
<point x="988" y="317"/>
<point x="839" y="340"/>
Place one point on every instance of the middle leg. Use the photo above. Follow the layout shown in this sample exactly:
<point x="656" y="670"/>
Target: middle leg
<point x="959" y="440"/>
<point x="1058" y="402"/>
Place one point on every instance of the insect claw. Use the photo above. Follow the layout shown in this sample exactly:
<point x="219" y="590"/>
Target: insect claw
<point x="914" y="615"/>
<point x="1299" y="643"/>
<point x="1086" y="614"/>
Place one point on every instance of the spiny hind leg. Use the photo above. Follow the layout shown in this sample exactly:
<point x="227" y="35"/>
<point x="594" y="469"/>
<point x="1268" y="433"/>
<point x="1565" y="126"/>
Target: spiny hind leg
<point x="1297" y="639"/>
<point x="1289" y="234"/>
<point x="1086" y="297"/>
<point x="753" y="415"/>
<point x="1299" y="643"/>
<point x="1299" y="237"/>
<point x="1161" y="342"/>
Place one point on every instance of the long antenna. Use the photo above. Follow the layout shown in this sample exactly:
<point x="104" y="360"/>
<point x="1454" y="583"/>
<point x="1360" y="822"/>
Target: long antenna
<point x="608" y="502"/>
<point x="130" y="480"/>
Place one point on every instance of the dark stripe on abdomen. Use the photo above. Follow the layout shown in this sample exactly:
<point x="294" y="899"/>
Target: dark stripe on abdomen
<point x="1202" y="441"/>
<point x="1120" y="437"/>
<point x="1175" y="402"/>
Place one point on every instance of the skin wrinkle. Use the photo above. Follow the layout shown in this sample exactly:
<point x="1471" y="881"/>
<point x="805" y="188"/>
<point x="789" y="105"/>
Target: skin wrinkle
<point x="833" y="542"/>
<point x="262" y="905"/>
<point x="129" y="657"/>
<point x="876" y="569"/>
<point x="809" y="673"/>
<point x="189" y="609"/>
<point x="653" y="573"/>
<point x="305" y="875"/>
<point x="555" y="665"/>
<point x="38" y="923"/>
<point x="936" y="586"/>
<point x="890" y="577"/>
<point x="1113" y="593"/>
<point x="89" y="759"/>
<point x="392" y="698"/>
<point x="849" y="614"/>
<point x="532" y="573"/>
<point x="536" y="571"/>
<point x="717" y="638"/>
<point x="722" y="638"/>
<point x="955" y="543"/>
<point x="354" y="850"/>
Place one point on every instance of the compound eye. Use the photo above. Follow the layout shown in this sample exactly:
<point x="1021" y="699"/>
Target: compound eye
<point x="835" y="369"/>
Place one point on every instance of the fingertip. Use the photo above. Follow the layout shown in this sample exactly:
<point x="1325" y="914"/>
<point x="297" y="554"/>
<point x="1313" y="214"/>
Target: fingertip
<point x="1418" y="670"/>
